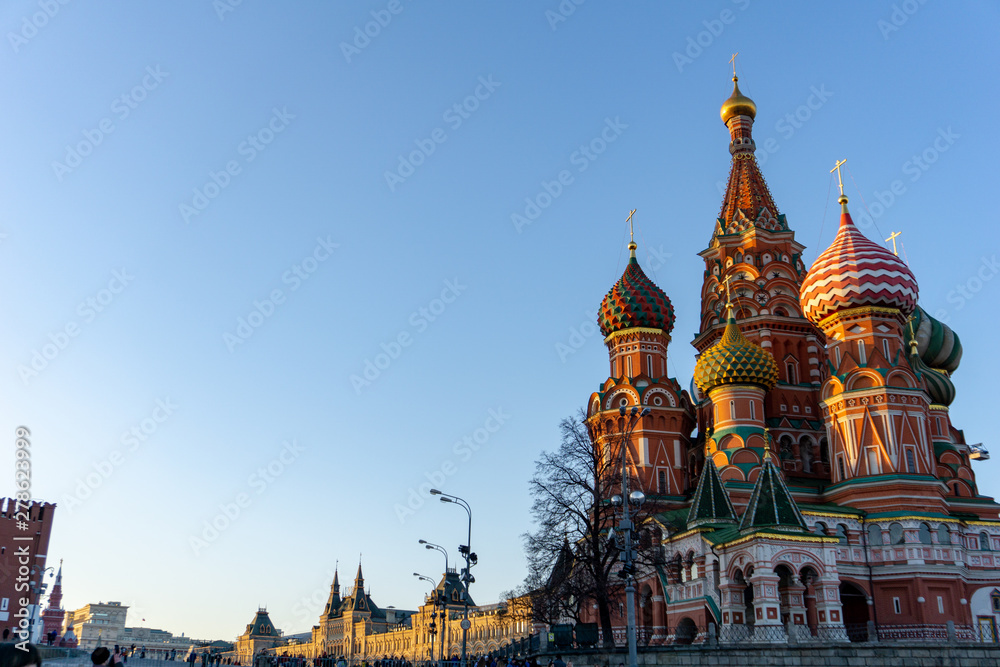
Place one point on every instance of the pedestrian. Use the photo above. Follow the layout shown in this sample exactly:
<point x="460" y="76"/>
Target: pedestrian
<point x="11" y="655"/>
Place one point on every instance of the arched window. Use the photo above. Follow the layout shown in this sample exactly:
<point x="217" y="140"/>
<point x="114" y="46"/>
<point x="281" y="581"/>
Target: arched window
<point x="819" y="528"/>
<point x="628" y="361"/>
<point x="896" y="534"/>
<point x="862" y="359"/>
<point x="925" y="534"/>
<point x="885" y="348"/>
<point x="874" y="535"/>
<point x="649" y="365"/>
<point x="753" y="410"/>
<point x="661" y="482"/>
<point x="984" y="542"/>
<point x="790" y="373"/>
<point x="842" y="533"/>
<point x="732" y="409"/>
<point x="806" y="454"/>
<point x="836" y="354"/>
<point x="944" y="536"/>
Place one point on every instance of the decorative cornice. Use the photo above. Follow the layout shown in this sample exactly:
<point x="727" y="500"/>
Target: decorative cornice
<point x="860" y="311"/>
<point x="635" y="331"/>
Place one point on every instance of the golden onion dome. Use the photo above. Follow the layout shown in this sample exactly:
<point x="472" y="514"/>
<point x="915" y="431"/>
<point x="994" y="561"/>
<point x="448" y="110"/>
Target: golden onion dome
<point x="738" y="104"/>
<point x="735" y="360"/>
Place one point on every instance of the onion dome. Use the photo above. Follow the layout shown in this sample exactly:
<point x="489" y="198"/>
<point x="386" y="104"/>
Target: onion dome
<point x="738" y="104"/>
<point x="735" y="360"/>
<point x="856" y="272"/>
<point x="937" y="345"/>
<point x="937" y="385"/>
<point x="635" y="301"/>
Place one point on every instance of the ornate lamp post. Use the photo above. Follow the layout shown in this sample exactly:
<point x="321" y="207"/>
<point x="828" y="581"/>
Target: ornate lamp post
<point x="623" y="540"/>
<point x="467" y="578"/>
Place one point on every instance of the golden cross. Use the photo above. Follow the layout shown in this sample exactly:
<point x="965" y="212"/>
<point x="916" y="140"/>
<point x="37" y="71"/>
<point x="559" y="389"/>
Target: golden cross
<point x="892" y="237"/>
<point x="631" y="235"/>
<point x="732" y="61"/>
<point x="840" y="181"/>
<point x="729" y="301"/>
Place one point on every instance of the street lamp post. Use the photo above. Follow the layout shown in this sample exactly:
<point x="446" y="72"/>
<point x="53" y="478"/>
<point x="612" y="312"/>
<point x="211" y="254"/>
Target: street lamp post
<point x="625" y="527"/>
<point x="443" y="600"/>
<point x="467" y="578"/>
<point x="433" y="628"/>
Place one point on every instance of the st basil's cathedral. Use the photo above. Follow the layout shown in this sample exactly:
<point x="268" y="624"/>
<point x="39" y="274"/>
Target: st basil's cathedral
<point x="809" y="482"/>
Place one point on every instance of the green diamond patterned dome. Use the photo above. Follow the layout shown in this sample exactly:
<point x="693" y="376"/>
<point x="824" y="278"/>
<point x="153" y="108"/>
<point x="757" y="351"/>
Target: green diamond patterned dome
<point x="635" y="301"/>
<point x="735" y="360"/>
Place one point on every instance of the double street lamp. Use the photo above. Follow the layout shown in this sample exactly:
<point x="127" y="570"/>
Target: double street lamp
<point x="623" y="540"/>
<point x="432" y="628"/>
<point x="439" y="598"/>
<point x="467" y="578"/>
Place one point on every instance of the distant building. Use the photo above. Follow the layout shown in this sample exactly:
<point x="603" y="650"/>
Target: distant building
<point x="24" y="537"/>
<point x="100" y="624"/>
<point x="355" y="627"/>
<point x="155" y="642"/>
<point x="259" y="635"/>
<point x="54" y="616"/>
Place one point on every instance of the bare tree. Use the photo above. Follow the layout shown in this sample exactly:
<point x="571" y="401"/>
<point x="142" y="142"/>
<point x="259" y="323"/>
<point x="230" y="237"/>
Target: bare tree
<point x="570" y="562"/>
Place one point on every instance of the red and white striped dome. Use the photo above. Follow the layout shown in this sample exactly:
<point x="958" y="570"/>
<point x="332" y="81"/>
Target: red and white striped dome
<point x="855" y="272"/>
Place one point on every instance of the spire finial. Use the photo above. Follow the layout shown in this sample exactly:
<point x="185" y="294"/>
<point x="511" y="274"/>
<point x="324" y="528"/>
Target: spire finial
<point x="767" y="443"/>
<point x="732" y="61"/>
<point x="631" y="234"/>
<point x="913" y="337"/>
<point x="892" y="237"/>
<point x="840" y="180"/>
<point x="729" y="300"/>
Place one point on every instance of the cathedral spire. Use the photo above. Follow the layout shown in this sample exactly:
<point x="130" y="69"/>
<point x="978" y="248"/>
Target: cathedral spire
<point x="771" y="505"/>
<point x="747" y="201"/>
<point x="711" y="502"/>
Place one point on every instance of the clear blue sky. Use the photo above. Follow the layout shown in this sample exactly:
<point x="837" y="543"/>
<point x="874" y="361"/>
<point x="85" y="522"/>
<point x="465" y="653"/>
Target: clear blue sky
<point x="328" y="126"/>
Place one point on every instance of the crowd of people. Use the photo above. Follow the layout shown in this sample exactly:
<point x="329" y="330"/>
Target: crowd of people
<point x="266" y="660"/>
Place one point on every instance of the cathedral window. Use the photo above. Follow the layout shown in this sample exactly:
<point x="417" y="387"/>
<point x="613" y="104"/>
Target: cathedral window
<point x="944" y="537"/>
<point x="840" y="467"/>
<point x="661" y="482"/>
<point x="995" y="600"/>
<point x="649" y="365"/>
<point x="862" y="358"/>
<point x="874" y="535"/>
<point x="885" y="348"/>
<point x="790" y="372"/>
<point x="753" y="410"/>
<point x="895" y="606"/>
<point x="836" y="354"/>
<point x="842" y="533"/>
<point x="628" y="361"/>
<point x="911" y="461"/>
<point x="819" y="528"/>
<point x="925" y="534"/>
<point x="984" y="542"/>
<point x="732" y="409"/>
<point x="896" y="535"/>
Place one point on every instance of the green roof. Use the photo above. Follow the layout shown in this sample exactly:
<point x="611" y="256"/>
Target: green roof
<point x="711" y="502"/>
<point x="771" y="505"/>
